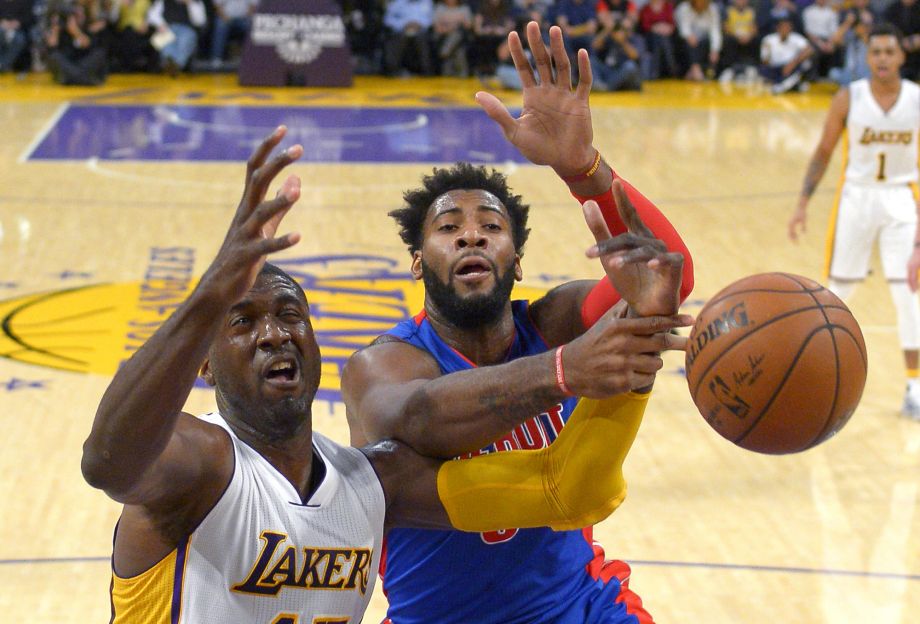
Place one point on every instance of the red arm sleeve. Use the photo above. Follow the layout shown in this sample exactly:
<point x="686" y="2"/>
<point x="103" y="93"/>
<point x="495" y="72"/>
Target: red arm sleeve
<point x="603" y="296"/>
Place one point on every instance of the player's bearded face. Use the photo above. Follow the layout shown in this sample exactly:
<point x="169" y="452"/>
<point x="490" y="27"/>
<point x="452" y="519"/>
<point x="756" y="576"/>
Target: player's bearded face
<point x="473" y="310"/>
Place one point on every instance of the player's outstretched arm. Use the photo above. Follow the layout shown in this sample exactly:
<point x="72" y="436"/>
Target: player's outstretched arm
<point x="833" y="128"/>
<point x="142" y="448"/>
<point x="394" y="390"/>
<point x="555" y="129"/>
<point x="575" y="482"/>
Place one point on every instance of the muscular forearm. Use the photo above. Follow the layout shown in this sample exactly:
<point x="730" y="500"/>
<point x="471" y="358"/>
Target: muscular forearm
<point x="139" y="410"/>
<point x="468" y="410"/>
<point x="575" y="482"/>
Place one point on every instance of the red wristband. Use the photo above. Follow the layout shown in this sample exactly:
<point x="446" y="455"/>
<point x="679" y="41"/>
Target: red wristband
<point x="560" y="373"/>
<point x="595" y="165"/>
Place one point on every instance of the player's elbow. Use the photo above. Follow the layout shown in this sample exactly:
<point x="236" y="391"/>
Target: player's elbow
<point x="582" y="503"/>
<point x="95" y="466"/>
<point x="100" y="471"/>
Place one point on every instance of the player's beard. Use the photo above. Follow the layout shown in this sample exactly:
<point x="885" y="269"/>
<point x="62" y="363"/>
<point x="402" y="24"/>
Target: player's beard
<point x="472" y="311"/>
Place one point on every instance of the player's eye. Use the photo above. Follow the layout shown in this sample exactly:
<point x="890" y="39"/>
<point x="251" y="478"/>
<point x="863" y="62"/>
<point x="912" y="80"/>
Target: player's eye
<point x="238" y="321"/>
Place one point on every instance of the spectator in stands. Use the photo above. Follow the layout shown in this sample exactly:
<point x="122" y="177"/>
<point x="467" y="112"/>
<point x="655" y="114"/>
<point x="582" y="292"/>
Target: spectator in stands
<point x="617" y="57"/>
<point x="364" y="29"/>
<point x="739" y="47"/>
<point x="821" y="24"/>
<point x="656" y="22"/>
<point x="785" y="57"/>
<point x="578" y="21"/>
<point x="700" y="28"/>
<point x="231" y="18"/>
<point x="610" y="12"/>
<point x="855" y="35"/>
<point x="408" y="27"/>
<point x="492" y="21"/>
<point x="75" y="55"/>
<point x="15" y="21"/>
<point x="905" y="16"/>
<point x="452" y="23"/>
<point x="176" y="37"/>
<point x="525" y="11"/>
<point x="131" y="50"/>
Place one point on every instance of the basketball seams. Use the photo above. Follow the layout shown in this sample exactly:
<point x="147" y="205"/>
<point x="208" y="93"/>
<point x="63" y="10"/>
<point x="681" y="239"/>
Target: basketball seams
<point x="729" y="347"/>
<point x="782" y="383"/>
<point x="830" y="416"/>
<point x="775" y="291"/>
<point x="860" y="348"/>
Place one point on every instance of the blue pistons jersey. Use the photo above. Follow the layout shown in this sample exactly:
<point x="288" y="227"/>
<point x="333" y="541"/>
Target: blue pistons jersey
<point x="515" y="576"/>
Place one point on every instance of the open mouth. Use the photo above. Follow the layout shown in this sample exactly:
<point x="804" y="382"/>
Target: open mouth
<point x="282" y="372"/>
<point x="472" y="268"/>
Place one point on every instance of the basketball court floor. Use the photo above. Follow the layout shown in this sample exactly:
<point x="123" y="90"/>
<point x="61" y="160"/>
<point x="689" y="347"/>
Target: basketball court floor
<point x="113" y="200"/>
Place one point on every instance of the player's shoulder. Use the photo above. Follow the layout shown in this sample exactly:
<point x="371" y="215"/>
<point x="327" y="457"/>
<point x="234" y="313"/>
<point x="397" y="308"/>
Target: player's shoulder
<point x="388" y="358"/>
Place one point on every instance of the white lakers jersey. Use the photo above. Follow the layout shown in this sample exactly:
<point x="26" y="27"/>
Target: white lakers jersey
<point x="261" y="556"/>
<point x="882" y="147"/>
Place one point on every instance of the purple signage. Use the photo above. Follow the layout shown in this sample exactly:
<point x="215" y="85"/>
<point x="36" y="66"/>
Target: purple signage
<point x="296" y="43"/>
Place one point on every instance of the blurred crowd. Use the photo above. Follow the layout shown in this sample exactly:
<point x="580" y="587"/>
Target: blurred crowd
<point x="787" y="43"/>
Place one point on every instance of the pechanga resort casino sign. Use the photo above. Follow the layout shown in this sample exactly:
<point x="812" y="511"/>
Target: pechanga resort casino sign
<point x="297" y="43"/>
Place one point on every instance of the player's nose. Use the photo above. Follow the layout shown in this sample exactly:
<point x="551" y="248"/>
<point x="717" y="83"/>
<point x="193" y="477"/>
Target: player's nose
<point x="470" y="237"/>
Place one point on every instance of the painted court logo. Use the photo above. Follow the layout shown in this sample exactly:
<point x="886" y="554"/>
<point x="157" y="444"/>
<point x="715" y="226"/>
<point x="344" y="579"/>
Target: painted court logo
<point x="92" y="329"/>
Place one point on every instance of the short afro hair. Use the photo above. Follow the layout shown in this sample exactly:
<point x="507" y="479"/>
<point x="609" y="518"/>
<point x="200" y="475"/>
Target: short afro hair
<point x="462" y="176"/>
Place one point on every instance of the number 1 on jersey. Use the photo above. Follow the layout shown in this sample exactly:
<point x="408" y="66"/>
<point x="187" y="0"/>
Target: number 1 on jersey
<point x="881" y="167"/>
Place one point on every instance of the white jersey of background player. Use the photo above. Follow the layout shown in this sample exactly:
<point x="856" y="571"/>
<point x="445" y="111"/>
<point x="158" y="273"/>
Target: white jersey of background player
<point x="878" y="199"/>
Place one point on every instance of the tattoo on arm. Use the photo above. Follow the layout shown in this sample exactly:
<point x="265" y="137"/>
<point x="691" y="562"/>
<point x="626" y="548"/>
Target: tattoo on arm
<point x="513" y="408"/>
<point x="813" y="175"/>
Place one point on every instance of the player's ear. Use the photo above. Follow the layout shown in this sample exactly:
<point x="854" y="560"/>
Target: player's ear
<point x="518" y="271"/>
<point x="206" y="374"/>
<point x="416" y="265"/>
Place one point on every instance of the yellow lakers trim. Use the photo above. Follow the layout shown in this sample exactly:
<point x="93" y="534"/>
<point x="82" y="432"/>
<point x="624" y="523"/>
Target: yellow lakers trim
<point x="147" y="597"/>
<point x="281" y="566"/>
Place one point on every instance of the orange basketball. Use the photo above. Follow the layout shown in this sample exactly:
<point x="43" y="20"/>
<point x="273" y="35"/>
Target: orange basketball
<point x="776" y="363"/>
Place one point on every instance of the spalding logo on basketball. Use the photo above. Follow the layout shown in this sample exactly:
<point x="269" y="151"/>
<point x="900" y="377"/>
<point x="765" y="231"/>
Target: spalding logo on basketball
<point x="776" y="363"/>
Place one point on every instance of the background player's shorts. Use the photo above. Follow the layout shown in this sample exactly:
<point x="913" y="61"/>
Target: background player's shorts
<point x="867" y="212"/>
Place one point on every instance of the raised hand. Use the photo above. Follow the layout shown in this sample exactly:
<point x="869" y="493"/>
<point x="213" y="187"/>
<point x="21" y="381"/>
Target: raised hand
<point x="554" y="127"/>
<point x="639" y="265"/>
<point x="251" y="236"/>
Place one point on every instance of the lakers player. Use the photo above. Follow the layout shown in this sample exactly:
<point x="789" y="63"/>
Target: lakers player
<point x="880" y="118"/>
<point x="248" y="515"/>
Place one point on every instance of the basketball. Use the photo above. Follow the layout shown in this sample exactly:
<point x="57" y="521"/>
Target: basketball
<point x="776" y="363"/>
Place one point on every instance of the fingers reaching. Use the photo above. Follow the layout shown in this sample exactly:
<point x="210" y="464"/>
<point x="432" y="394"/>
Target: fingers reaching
<point x="585" y="77"/>
<point x="497" y="111"/>
<point x="540" y="55"/>
<point x="595" y="220"/>
<point x="521" y="63"/>
<point x="265" y="148"/>
<point x="560" y="58"/>
<point x="628" y="212"/>
<point x="263" y="176"/>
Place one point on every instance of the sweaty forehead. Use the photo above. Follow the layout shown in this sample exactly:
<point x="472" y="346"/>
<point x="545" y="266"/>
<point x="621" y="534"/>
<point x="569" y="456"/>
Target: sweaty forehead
<point x="277" y="286"/>
<point x="465" y="199"/>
